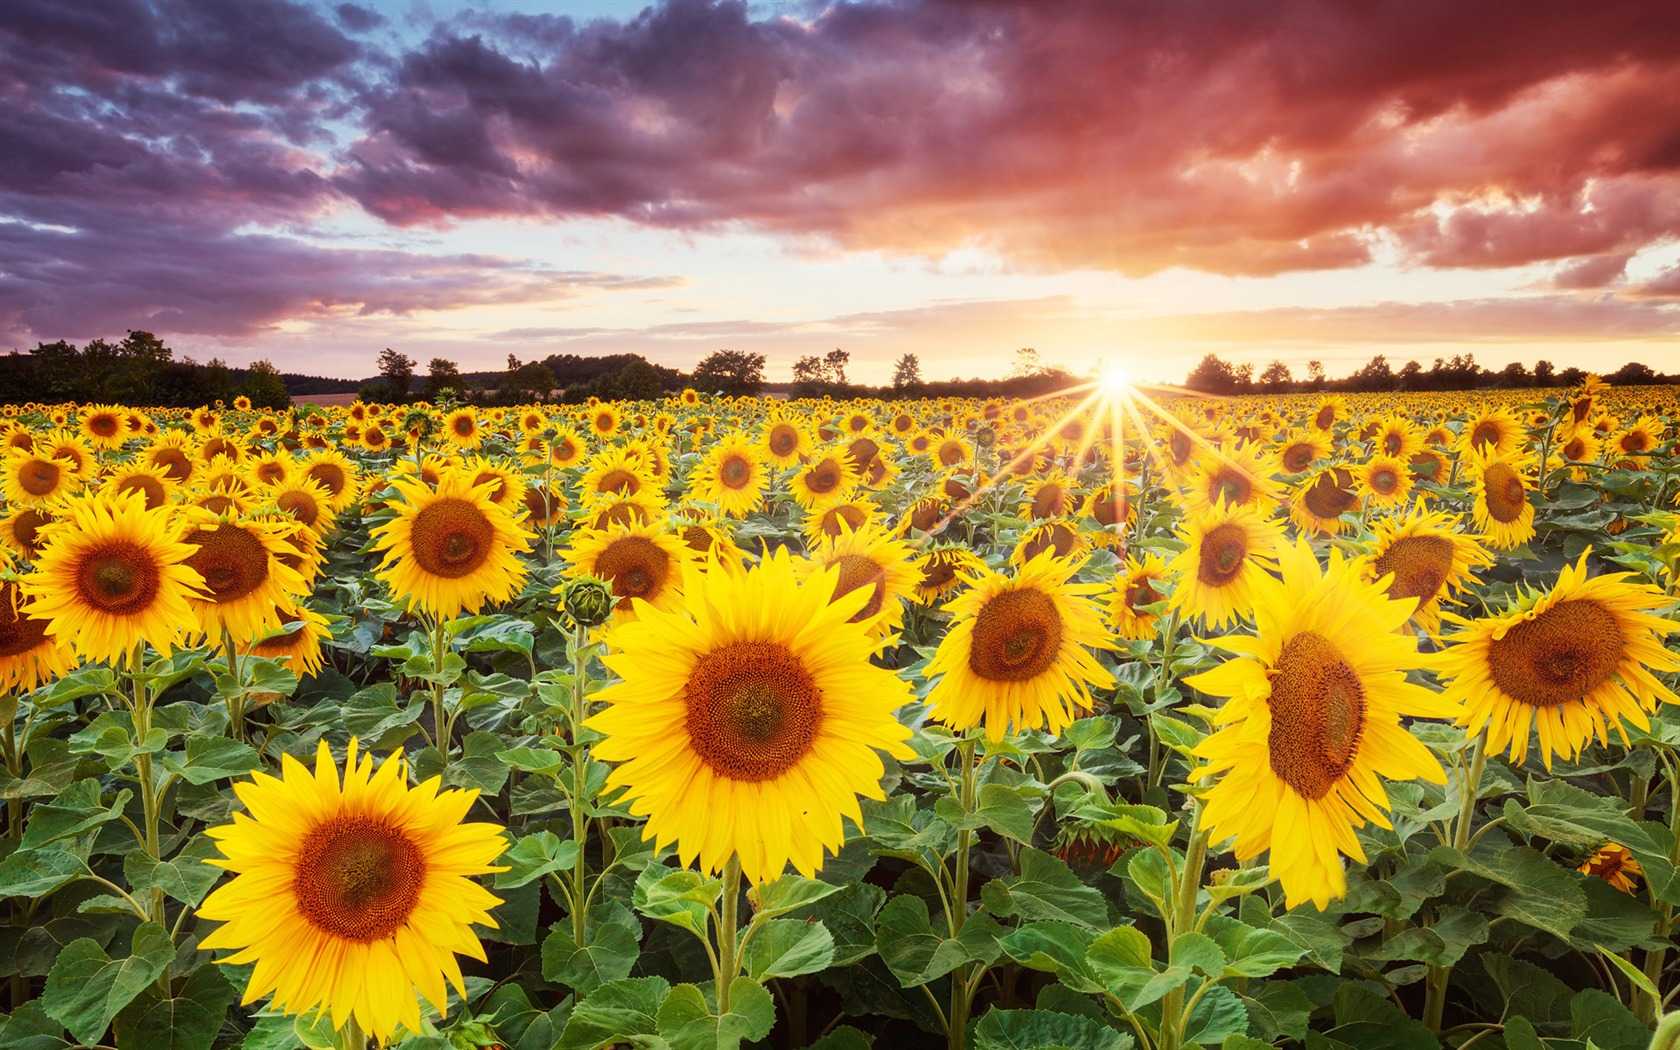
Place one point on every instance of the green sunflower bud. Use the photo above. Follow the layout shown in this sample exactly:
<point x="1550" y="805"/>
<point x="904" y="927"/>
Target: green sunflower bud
<point x="588" y="600"/>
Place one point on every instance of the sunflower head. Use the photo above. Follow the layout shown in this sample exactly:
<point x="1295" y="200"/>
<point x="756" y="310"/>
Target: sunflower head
<point x="451" y="548"/>
<point x="1227" y="551"/>
<point x="640" y="562"/>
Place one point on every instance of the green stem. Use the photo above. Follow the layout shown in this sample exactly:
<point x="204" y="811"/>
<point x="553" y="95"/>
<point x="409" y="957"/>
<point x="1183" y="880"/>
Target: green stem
<point x="236" y="699"/>
<point x="150" y="798"/>
<point x="580" y="819"/>
<point x="351" y="1036"/>
<point x="1439" y="978"/>
<point x="440" y="720"/>
<point x="1181" y="919"/>
<point x="1646" y="1008"/>
<point x="961" y="993"/>
<point x="729" y="966"/>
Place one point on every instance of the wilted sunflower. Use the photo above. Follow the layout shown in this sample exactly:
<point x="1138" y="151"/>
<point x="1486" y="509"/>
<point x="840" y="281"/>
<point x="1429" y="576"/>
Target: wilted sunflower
<point x="29" y="656"/>
<point x="34" y="479"/>
<point x="299" y="646"/>
<point x="1570" y="664"/>
<point x="1311" y="726"/>
<point x="352" y="898"/>
<point x="1017" y="655"/>
<point x="1227" y="551"/>
<point x="112" y="575"/>
<point x="731" y="477"/>
<point x="1503" y="512"/>
<point x="245" y="581"/>
<point x="1426" y="556"/>
<point x="451" y="549"/>
<point x="872" y="559"/>
<point x="639" y="561"/>
<point x="1614" y="864"/>
<point x="748" y="717"/>
<point x="1142" y="584"/>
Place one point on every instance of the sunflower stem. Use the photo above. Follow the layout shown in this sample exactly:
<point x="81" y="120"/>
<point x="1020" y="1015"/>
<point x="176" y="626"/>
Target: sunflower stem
<point x="1174" y="1011"/>
<point x="1645" y="1007"/>
<point x="351" y="1036"/>
<point x="236" y="698"/>
<point x="729" y="965"/>
<point x="961" y="989"/>
<point x="1440" y="977"/>
<point x="440" y="722"/>
<point x="580" y="779"/>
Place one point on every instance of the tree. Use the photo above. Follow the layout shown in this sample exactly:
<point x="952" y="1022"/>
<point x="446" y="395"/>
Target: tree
<point x="264" y="386"/>
<point x="1315" y="375"/>
<point x="1544" y="373"/>
<point x="907" y="373"/>
<point x="1376" y="375"/>
<point x="808" y="370"/>
<point x="1632" y="374"/>
<point x="522" y="383"/>
<point x="397" y="370"/>
<point x="834" y="362"/>
<point x="1276" y="377"/>
<point x="1212" y="376"/>
<point x="1027" y="364"/>
<point x="731" y="372"/>
<point x="1514" y="374"/>
<point x="638" y="380"/>
<point x="442" y="374"/>
<point x="1410" y="376"/>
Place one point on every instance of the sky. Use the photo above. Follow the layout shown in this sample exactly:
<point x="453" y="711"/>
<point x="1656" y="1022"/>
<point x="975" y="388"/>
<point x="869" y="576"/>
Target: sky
<point x="1130" y="183"/>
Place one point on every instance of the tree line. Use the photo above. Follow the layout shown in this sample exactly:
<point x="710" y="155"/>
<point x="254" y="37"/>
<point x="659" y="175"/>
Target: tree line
<point x="138" y="370"/>
<point x="1214" y="375"/>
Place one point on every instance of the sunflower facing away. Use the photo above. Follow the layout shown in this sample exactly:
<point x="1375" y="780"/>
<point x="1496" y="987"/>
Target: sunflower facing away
<point x="451" y="549"/>
<point x="1311" y="725"/>
<point x="748" y="717"/>
<point x="352" y="898"/>
<point x="1017" y="655"/>
<point x="1570" y="664"/>
<point x="112" y="575"/>
<point x="1227" y="551"/>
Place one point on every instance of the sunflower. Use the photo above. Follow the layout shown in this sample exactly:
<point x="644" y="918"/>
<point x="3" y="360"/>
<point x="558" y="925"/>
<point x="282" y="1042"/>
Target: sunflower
<point x="1140" y="585"/>
<point x="152" y="482"/>
<point x="943" y="571"/>
<point x="1227" y="551"/>
<point x="708" y="542"/>
<point x="869" y="558"/>
<point x="1398" y="437"/>
<point x="640" y="561"/>
<point x="296" y="642"/>
<point x="1429" y="464"/>
<point x="1503" y="512"/>
<point x="1571" y="664"/>
<point x="543" y="505"/>
<point x="506" y="485"/>
<point x="1384" y="480"/>
<point x="731" y="477"/>
<point x="604" y="421"/>
<point x="615" y="472"/>
<point x="1051" y="496"/>
<point x="34" y="480"/>
<point x="113" y="575"/>
<point x="604" y="512"/>
<point x="567" y="447"/>
<point x="1061" y="538"/>
<point x="1614" y="864"/>
<point x="951" y="451"/>
<point x="1239" y="477"/>
<point x="21" y="530"/>
<point x="924" y="515"/>
<point x="828" y="478"/>
<point x="748" y="717"/>
<point x="460" y="428"/>
<point x="1424" y="555"/>
<point x="1311" y="725"/>
<point x="1316" y="504"/>
<point x="270" y="469"/>
<point x="29" y="656"/>
<point x="451" y="549"/>
<point x="1492" y="429"/>
<point x="103" y="426"/>
<point x="1580" y="448"/>
<point x="334" y="472"/>
<point x="1328" y="413"/>
<point x="1017" y="655"/>
<point x="352" y="898"/>
<point x="306" y="503"/>
<point x="245" y="582"/>
<point x="854" y="514"/>
<point x="786" y="440"/>
<point x="1299" y="450"/>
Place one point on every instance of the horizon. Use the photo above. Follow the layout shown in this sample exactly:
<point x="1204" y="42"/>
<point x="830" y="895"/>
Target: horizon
<point x="786" y="178"/>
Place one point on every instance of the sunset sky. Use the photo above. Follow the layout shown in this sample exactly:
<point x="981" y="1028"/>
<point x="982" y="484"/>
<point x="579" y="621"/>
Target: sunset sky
<point x="1136" y="182"/>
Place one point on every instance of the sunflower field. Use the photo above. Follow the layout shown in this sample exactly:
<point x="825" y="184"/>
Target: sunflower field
<point x="1117" y="720"/>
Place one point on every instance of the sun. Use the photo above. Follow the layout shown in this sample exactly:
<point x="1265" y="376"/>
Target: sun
<point x="1114" y="380"/>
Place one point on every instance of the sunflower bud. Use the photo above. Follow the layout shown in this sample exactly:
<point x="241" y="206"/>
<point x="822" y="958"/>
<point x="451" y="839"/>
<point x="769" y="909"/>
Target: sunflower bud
<point x="588" y="600"/>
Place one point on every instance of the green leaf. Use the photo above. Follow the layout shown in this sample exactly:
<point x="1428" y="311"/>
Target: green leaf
<point x="849" y="917"/>
<point x="479" y="765"/>
<point x="679" y="896"/>
<point x="1216" y="1018"/>
<point x="29" y="1028"/>
<point x="615" y="1013"/>
<point x="788" y="893"/>
<point x="37" y="872"/>
<point x="1044" y="1030"/>
<point x="185" y="877"/>
<point x="1046" y="889"/>
<point x="916" y="954"/>
<point x="499" y="633"/>
<point x="1120" y="949"/>
<point x="1054" y="947"/>
<point x="1599" y="1018"/>
<point x="71" y="813"/>
<point x="1536" y="891"/>
<point x="209" y="759"/>
<point x="534" y="856"/>
<point x="543" y="760"/>
<point x="188" y="1021"/>
<point x="688" y="1019"/>
<point x="1196" y="952"/>
<point x="998" y="807"/>
<point x="787" y="948"/>
<point x="1251" y="952"/>
<point x="87" y="988"/>
<point x="613" y="945"/>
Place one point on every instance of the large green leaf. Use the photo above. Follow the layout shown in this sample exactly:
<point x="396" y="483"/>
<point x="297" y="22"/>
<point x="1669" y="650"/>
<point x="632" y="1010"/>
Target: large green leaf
<point x="787" y="948"/>
<point x="1044" y="1030"/>
<point x="87" y="988"/>
<point x="688" y="1018"/>
<point x="1046" y="889"/>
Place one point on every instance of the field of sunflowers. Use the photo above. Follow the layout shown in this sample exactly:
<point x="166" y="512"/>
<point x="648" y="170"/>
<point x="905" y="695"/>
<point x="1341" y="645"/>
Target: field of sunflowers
<point x="1103" y="721"/>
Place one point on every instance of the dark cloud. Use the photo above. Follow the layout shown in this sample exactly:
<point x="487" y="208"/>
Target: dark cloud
<point x="358" y="19"/>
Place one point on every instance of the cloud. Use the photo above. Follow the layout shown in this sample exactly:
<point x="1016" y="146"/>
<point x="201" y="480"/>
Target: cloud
<point x="1594" y="271"/>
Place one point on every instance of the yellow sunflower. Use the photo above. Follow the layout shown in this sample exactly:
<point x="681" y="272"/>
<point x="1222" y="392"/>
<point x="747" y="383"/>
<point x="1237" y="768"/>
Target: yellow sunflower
<point x="1493" y="430"/>
<point x="306" y="503"/>
<point x="567" y="447"/>
<point x="296" y="642"/>
<point x="1240" y="477"/>
<point x="21" y="531"/>
<point x="1218" y="575"/>
<point x="1310" y="727"/>
<point x="112" y="575"/>
<point x="104" y="426"/>
<point x="33" y="479"/>
<point x="460" y="428"/>
<point x="174" y="453"/>
<point x="245" y="580"/>
<point x="1426" y="556"/>
<point x="352" y="898"/>
<point x="1503" y="512"/>
<point x="748" y="717"/>
<point x="1300" y="449"/>
<point x="29" y="656"/>
<point x="152" y="482"/>
<point x="1570" y="664"/>
<point x="786" y="440"/>
<point x="1614" y="864"/>
<point x="1141" y="585"/>
<point x="1317" y="503"/>
<point x="1384" y="480"/>
<point x="1060" y="538"/>
<point x="604" y="421"/>
<point x="451" y="549"/>
<point x="639" y="561"/>
<point x="943" y="571"/>
<point x="336" y="473"/>
<point x="1017" y="655"/>
<point x="615" y="472"/>
<point x="828" y="478"/>
<point x="730" y="477"/>
<point x="869" y="558"/>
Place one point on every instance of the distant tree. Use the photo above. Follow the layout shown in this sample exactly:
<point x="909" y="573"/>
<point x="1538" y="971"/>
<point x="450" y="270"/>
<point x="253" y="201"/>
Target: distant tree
<point x="808" y="370"/>
<point x="1244" y="376"/>
<point x="521" y="383"/>
<point x="1410" y="376"/>
<point x="1632" y="374"/>
<point x="264" y="386"/>
<point x="397" y="370"/>
<point x="1276" y="377"/>
<point x="1315" y="375"/>
<point x="638" y="380"/>
<point x="1027" y="364"/>
<point x="1212" y="376"/>
<point x="907" y="373"/>
<point x="834" y="364"/>
<point x="1515" y="374"/>
<point x="731" y="372"/>
<point x="218" y="382"/>
<point x="1544" y="374"/>
<point x="1375" y="375"/>
<point x="442" y="374"/>
<point x="1571" y="376"/>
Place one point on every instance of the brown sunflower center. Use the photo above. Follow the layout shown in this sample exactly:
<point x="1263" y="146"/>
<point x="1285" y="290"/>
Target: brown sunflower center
<point x="1384" y="481"/>
<point x="636" y="567"/>
<point x="1392" y="442"/>
<point x="605" y="422"/>
<point x="26" y="529"/>
<point x="824" y="477"/>
<point x="464" y="426"/>
<point x="858" y="571"/>
<point x="451" y="538"/>
<point x="1055" y="537"/>
<point x="783" y="439"/>
<point x="1318" y="714"/>
<point x="151" y="487"/>
<point x="1050" y="501"/>
<point x="1559" y="656"/>
<point x="619" y="480"/>
<point x="1576" y="449"/>
<point x="937" y="573"/>
<point x="1298" y="457"/>
<point x="19" y="632"/>
<point x="1485" y="434"/>
<point x="104" y="425"/>
<point x="39" y="477"/>
<point x="1017" y="636"/>
<point x="118" y="577"/>
<point x="271" y="473"/>
<point x="926" y="514"/>
<point x="1326" y="499"/>
<point x="1222" y="551"/>
<point x="300" y="505"/>
<point x="1325" y="417"/>
<point x="232" y="561"/>
<point x="1230" y="484"/>
<point x="950" y="453"/>
<point x="1141" y="592"/>
<point x="358" y="878"/>
<point x="1420" y="565"/>
<point x="848" y="514"/>
<point x="753" y="710"/>
<point x="1506" y="493"/>
<point x="1426" y="465"/>
<point x="1109" y="509"/>
<point x="330" y="475"/>
<point x="735" y="471"/>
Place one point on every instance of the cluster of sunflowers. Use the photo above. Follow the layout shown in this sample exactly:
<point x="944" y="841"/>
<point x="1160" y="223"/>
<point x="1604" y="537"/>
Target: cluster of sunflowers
<point x="772" y="621"/>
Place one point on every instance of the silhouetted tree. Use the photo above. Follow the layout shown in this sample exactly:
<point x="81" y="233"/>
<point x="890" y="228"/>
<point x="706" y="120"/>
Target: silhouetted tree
<point x="1410" y="376"/>
<point x="1212" y="376"/>
<point x="834" y="365"/>
<point x="1315" y="375"/>
<point x="731" y="372"/>
<point x="264" y="386"/>
<point x="1515" y="374"/>
<point x="1276" y="377"/>
<point x="1632" y="374"/>
<point x="442" y="374"/>
<point x="808" y="370"/>
<point x="907" y="373"/>
<point x="397" y="371"/>
<point x="1544" y="373"/>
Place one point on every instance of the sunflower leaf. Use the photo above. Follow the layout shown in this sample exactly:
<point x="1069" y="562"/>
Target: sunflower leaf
<point x="86" y="988"/>
<point x="688" y="1019"/>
